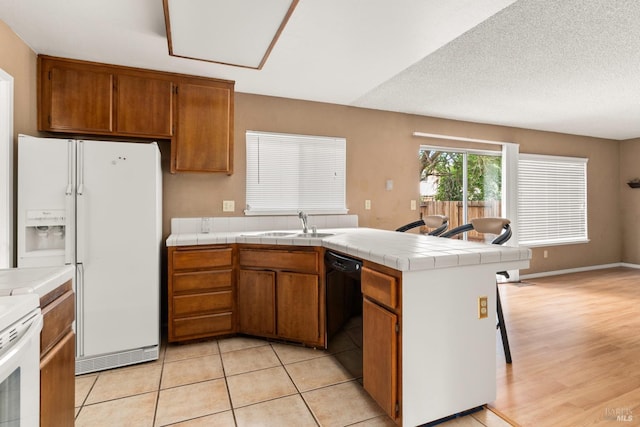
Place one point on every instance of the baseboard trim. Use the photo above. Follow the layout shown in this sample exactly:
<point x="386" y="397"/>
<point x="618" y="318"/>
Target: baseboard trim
<point x="578" y="270"/>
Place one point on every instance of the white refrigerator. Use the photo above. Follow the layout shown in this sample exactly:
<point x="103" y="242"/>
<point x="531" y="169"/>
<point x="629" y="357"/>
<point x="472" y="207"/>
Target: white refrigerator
<point x="97" y="205"/>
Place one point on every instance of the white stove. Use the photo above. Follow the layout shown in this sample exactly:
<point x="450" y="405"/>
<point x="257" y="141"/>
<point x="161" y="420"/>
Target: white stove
<point x="20" y="326"/>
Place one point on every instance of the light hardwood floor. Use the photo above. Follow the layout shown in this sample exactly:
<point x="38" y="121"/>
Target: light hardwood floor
<point x="575" y="342"/>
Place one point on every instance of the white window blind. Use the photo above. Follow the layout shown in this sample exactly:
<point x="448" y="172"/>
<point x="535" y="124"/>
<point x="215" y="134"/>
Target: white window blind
<point x="552" y="200"/>
<point x="287" y="173"/>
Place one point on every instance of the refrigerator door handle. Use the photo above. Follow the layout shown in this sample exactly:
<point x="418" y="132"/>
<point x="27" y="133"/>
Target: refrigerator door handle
<point x="80" y="189"/>
<point x="69" y="235"/>
<point x="80" y="229"/>
<point x="80" y="310"/>
<point x="80" y="208"/>
<point x="71" y="162"/>
<point x="70" y="206"/>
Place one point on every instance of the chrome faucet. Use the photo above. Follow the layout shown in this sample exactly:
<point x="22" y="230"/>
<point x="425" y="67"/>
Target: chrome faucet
<point x="303" y="217"/>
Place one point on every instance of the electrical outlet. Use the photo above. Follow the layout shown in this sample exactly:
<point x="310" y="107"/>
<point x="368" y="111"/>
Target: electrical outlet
<point x="483" y="307"/>
<point x="228" y="205"/>
<point x="414" y="205"/>
<point x="545" y="254"/>
<point x="367" y="204"/>
<point x="205" y="225"/>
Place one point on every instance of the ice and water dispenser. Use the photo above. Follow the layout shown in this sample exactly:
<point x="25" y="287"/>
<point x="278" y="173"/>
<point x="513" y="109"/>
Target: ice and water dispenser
<point x="44" y="230"/>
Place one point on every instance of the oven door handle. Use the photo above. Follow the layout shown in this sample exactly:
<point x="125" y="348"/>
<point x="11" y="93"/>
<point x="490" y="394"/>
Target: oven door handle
<point x="11" y="359"/>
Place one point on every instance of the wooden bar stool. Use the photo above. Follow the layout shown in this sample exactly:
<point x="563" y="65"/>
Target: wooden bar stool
<point x="438" y="224"/>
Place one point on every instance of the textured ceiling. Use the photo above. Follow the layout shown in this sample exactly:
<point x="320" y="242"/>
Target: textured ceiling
<point x="567" y="66"/>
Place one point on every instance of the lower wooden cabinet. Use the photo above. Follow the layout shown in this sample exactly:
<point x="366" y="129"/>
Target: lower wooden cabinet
<point x="57" y="358"/>
<point x="298" y="306"/>
<point x="256" y="302"/>
<point x="381" y="352"/>
<point x="201" y="291"/>
<point x="380" y="355"/>
<point x="281" y="294"/>
<point x="57" y="384"/>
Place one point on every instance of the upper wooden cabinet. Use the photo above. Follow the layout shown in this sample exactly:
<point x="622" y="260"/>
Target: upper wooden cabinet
<point x="75" y="98"/>
<point x="87" y="98"/>
<point x="204" y="133"/>
<point x="144" y="106"/>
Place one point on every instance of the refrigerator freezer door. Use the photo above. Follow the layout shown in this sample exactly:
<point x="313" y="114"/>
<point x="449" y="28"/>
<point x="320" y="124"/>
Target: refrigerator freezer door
<point x="46" y="203"/>
<point x="119" y="233"/>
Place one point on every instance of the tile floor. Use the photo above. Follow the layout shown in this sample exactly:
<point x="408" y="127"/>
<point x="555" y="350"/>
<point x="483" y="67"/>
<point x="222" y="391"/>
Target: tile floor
<point x="241" y="382"/>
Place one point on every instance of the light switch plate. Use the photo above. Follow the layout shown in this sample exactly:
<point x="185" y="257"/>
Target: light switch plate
<point x="414" y="205"/>
<point x="228" y="205"/>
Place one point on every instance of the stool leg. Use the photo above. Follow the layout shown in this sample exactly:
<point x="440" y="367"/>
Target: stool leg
<point x="503" y="329"/>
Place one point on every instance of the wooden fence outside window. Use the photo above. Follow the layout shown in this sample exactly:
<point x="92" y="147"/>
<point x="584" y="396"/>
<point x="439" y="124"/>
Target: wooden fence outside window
<point x="453" y="209"/>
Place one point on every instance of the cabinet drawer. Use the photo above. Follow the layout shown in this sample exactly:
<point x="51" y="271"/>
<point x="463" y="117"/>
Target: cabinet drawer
<point x="58" y="317"/>
<point x="302" y="261"/>
<point x="380" y="287"/>
<point x="202" y="303"/>
<point x="199" y="281"/>
<point x="202" y="326"/>
<point x="202" y="259"/>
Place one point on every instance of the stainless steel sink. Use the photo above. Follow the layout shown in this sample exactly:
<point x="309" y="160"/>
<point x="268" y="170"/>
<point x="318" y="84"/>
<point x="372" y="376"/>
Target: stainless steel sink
<point x="314" y="235"/>
<point x="276" y="234"/>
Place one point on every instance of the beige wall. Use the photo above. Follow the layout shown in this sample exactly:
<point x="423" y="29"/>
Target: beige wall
<point x="630" y="200"/>
<point x="380" y="146"/>
<point x="17" y="59"/>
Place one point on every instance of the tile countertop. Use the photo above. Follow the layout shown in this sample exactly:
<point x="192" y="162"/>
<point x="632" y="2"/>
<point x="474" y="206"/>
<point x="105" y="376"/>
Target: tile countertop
<point x="401" y="251"/>
<point x="38" y="280"/>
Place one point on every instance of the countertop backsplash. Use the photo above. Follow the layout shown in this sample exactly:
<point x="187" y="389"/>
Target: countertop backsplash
<point x="225" y="224"/>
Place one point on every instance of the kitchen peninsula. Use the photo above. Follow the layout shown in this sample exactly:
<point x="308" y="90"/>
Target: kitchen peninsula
<point x="427" y="351"/>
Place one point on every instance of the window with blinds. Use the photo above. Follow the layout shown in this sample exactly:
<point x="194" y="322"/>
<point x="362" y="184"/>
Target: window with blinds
<point x="552" y="200"/>
<point x="287" y="173"/>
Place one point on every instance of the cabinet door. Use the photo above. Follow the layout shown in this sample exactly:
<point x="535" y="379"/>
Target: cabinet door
<point x="77" y="99"/>
<point x="144" y="106"/>
<point x="256" y="302"/>
<point x="298" y="316"/>
<point x="57" y="384"/>
<point x="204" y="132"/>
<point x="380" y="355"/>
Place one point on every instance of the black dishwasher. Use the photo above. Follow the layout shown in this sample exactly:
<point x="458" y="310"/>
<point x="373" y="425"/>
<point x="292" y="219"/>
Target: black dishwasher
<point x="344" y="297"/>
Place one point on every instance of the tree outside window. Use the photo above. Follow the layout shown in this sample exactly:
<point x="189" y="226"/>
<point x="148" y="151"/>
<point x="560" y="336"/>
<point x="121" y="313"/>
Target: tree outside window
<point x="442" y="177"/>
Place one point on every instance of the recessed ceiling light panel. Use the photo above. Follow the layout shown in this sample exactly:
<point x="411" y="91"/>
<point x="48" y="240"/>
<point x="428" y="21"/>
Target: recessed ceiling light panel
<point x="232" y="32"/>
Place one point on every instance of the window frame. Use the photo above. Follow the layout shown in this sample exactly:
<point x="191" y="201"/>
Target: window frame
<point x="465" y="153"/>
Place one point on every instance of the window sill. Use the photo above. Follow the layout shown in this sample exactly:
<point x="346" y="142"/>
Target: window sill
<point x="541" y="244"/>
